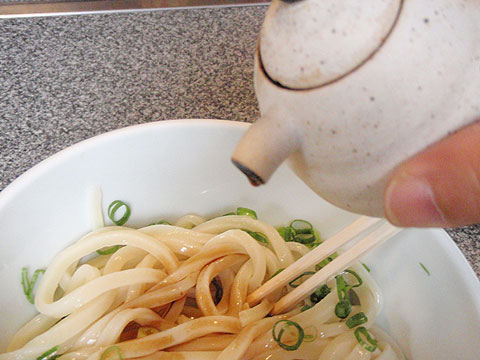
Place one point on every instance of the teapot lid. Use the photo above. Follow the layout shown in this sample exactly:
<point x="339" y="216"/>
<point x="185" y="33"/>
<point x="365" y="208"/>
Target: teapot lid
<point x="309" y="43"/>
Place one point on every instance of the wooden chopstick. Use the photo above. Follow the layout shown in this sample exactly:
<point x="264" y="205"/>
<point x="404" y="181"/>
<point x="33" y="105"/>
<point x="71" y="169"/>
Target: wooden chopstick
<point x="312" y="258"/>
<point x="343" y="261"/>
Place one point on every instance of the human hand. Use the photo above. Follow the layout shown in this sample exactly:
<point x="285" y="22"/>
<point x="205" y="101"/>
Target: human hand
<point x="439" y="187"/>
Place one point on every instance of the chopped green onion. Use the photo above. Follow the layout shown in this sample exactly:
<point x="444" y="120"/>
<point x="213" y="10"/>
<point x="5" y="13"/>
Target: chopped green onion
<point x="35" y="277"/>
<point x="306" y="273"/>
<point x="344" y="305"/>
<point x="247" y="212"/>
<point x="305" y="307"/>
<point x="277" y="272"/>
<point x="310" y="338"/>
<point x="29" y="284"/>
<point x="218" y="291"/>
<point x="257" y="236"/>
<point x="325" y="261"/>
<point x="25" y="281"/>
<point x="343" y="309"/>
<point x="230" y="213"/>
<point x="366" y="267"/>
<point x="370" y="344"/>
<point x="285" y="325"/>
<point x="425" y="269"/>
<point x="108" y="251"/>
<point x="357" y="319"/>
<point x="161" y="222"/>
<point x="301" y="226"/>
<point x="110" y="349"/>
<point x="113" y="208"/>
<point x="300" y="231"/>
<point x="359" y="279"/>
<point x="319" y="294"/>
<point x="341" y="287"/>
<point x="304" y="232"/>
<point x="47" y="354"/>
<point x="286" y="232"/>
<point x="305" y="239"/>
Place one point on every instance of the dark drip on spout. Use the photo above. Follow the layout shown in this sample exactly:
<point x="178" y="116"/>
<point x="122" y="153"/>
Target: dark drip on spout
<point x="254" y="179"/>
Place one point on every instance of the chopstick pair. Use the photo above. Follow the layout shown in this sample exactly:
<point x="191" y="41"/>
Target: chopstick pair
<point x="371" y="231"/>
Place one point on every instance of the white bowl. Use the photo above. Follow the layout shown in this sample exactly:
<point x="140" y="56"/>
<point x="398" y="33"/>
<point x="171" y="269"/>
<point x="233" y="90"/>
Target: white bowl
<point x="166" y="169"/>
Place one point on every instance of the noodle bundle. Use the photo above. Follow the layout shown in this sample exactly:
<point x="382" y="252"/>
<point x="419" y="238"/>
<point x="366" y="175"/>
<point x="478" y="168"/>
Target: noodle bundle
<point x="179" y="292"/>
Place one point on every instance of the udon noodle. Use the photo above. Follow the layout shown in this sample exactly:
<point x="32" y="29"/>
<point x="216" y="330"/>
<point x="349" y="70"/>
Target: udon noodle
<point x="179" y="292"/>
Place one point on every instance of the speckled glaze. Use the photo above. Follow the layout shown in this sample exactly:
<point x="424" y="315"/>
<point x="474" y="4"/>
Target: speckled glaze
<point x="322" y="40"/>
<point x="345" y="137"/>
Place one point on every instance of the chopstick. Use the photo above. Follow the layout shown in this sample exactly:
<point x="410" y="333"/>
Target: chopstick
<point x="312" y="258"/>
<point x="382" y="231"/>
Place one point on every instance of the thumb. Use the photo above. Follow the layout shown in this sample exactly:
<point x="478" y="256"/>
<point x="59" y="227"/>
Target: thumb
<point x="439" y="187"/>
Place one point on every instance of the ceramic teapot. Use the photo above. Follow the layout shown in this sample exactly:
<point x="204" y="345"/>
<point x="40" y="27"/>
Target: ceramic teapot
<point x="349" y="89"/>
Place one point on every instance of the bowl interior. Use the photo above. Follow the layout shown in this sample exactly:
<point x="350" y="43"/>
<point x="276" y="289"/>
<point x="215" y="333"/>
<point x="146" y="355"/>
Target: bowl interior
<point x="167" y="169"/>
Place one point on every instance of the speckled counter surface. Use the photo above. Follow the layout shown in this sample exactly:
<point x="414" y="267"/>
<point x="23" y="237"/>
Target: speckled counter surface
<point x="65" y="79"/>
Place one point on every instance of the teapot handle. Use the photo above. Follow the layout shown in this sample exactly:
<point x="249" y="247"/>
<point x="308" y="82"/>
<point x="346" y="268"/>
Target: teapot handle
<point x="263" y="148"/>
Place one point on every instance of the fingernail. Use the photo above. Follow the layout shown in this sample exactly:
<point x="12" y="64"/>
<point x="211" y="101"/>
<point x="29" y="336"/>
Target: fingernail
<point x="410" y="201"/>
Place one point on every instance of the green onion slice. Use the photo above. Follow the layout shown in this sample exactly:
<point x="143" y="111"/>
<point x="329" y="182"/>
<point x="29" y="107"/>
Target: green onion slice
<point x="286" y="232"/>
<point x="35" y="277"/>
<point x="48" y="354"/>
<point x="161" y="222"/>
<point x="277" y="272"/>
<point x="109" y="250"/>
<point x="302" y="226"/>
<point x="306" y="239"/>
<point x="247" y="212"/>
<point x="300" y="231"/>
<point x="343" y="309"/>
<point x="110" y="349"/>
<point x="25" y="281"/>
<point x="359" y="279"/>
<point x="366" y="267"/>
<point x="342" y="288"/>
<point x="306" y="273"/>
<point x="29" y="284"/>
<point x="369" y="344"/>
<point x="425" y="269"/>
<point x="325" y="261"/>
<point x="320" y="293"/>
<point x="306" y="307"/>
<point x="304" y="232"/>
<point x="310" y="337"/>
<point x="357" y="319"/>
<point x="230" y="213"/>
<point x="257" y="236"/>
<point x="114" y="207"/>
<point x="284" y="324"/>
<point x="344" y="305"/>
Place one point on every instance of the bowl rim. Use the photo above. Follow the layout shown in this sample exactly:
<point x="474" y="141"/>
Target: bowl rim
<point x="44" y="165"/>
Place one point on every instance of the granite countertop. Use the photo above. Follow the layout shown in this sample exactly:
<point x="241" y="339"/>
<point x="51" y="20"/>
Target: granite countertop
<point x="64" y="79"/>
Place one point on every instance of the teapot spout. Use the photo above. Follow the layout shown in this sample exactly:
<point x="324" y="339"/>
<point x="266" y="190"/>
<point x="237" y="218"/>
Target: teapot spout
<point x="263" y="148"/>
